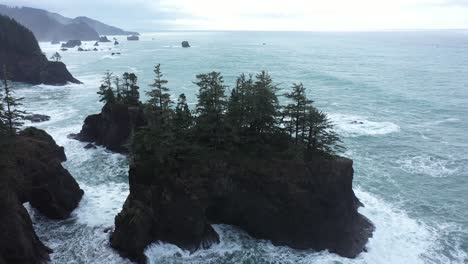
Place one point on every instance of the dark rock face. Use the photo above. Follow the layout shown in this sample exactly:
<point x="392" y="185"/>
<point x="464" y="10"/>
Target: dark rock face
<point x="18" y="243"/>
<point x="112" y="127"/>
<point x="31" y="171"/>
<point x="37" y="118"/>
<point x="90" y="146"/>
<point x="292" y="203"/>
<point x="185" y="44"/>
<point x="104" y="39"/>
<point x="133" y="38"/>
<point x="72" y="43"/>
<point x="24" y="60"/>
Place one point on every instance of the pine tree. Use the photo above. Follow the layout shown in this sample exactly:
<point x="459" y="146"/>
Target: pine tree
<point x="321" y="137"/>
<point x="105" y="90"/>
<point x="11" y="116"/>
<point x="183" y="116"/>
<point x="133" y="96"/>
<point x="56" y="57"/>
<point x="118" y="89"/>
<point x="264" y="105"/>
<point x="210" y="108"/>
<point x="160" y="100"/>
<point x="295" y="112"/>
<point x="238" y="109"/>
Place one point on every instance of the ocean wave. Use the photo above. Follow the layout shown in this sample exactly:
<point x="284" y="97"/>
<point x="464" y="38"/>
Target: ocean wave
<point x="397" y="239"/>
<point x="355" y="126"/>
<point x="427" y="165"/>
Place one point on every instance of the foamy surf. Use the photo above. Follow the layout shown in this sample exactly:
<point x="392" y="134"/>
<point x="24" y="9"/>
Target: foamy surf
<point x="355" y="126"/>
<point x="397" y="239"/>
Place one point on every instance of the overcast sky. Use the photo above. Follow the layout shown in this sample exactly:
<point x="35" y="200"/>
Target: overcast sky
<point x="152" y="15"/>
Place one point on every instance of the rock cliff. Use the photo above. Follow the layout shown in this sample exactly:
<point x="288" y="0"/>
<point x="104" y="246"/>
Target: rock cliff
<point x="113" y="126"/>
<point x="24" y="60"/>
<point x="31" y="171"/>
<point x="293" y="203"/>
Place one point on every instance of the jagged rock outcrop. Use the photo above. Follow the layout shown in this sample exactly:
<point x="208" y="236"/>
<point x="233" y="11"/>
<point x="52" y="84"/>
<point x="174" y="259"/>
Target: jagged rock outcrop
<point x="133" y="38"/>
<point x="113" y="126"/>
<point x="104" y="39"/>
<point x="72" y="43"/>
<point x="31" y="171"/>
<point x="290" y="202"/>
<point x="24" y="60"/>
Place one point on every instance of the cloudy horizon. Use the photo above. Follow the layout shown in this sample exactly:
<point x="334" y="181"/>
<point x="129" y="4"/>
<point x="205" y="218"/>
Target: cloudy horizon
<point x="292" y="15"/>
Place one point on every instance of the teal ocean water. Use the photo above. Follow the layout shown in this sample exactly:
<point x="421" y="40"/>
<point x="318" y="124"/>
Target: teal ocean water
<point x="398" y="99"/>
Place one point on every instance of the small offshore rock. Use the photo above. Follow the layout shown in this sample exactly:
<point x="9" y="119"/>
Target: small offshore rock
<point x="72" y="136"/>
<point x="71" y="43"/>
<point x="96" y="44"/>
<point x="133" y="38"/>
<point x="90" y="146"/>
<point x="104" y="39"/>
<point x="36" y="118"/>
<point x="185" y="44"/>
<point x="116" y="43"/>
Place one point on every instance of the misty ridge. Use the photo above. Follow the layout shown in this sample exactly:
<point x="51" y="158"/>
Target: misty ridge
<point x="47" y="26"/>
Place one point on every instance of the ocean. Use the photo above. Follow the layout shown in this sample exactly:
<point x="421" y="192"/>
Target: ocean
<point x="398" y="99"/>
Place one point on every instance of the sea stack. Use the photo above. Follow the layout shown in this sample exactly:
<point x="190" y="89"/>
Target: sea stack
<point x="185" y="44"/>
<point x="133" y="38"/>
<point x="31" y="171"/>
<point x="72" y="43"/>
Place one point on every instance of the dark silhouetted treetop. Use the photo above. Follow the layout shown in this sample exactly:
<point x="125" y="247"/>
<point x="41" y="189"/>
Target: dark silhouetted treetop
<point x="159" y="102"/>
<point x="250" y="122"/>
<point x="10" y="116"/>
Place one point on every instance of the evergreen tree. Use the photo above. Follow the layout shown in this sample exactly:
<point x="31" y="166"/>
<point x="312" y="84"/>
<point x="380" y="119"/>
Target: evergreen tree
<point x="263" y="104"/>
<point x="11" y="116"/>
<point x="238" y="108"/>
<point x="105" y="90"/>
<point x="295" y="112"/>
<point x="133" y="96"/>
<point x="210" y="108"/>
<point x="56" y="57"/>
<point x="183" y="116"/>
<point x="118" y="89"/>
<point x="160" y="100"/>
<point x="321" y="137"/>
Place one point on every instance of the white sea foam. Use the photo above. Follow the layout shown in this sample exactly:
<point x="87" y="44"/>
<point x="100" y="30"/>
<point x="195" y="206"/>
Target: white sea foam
<point x="427" y="165"/>
<point x="397" y="239"/>
<point x="354" y="126"/>
<point x="101" y="204"/>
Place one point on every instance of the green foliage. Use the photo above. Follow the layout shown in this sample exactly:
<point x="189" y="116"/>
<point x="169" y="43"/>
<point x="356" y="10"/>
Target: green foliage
<point x="210" y="109"/>
<point x="106" y="92"/>
<point x="264" y="104"/>
<point x="11" y="117"/>
<point x="160" y="101"/>
<point x="183" y="117"/>
<point x="320" y="138"/>
<point x="113" y="90"/>
<point x="295" y="112"/>
<point x="250" y="122"/>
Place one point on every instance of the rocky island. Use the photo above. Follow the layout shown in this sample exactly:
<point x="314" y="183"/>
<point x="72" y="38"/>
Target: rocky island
<point x="236" y="162"/>
<point x="31" y="171"/>
<point x="24" y="60"/>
